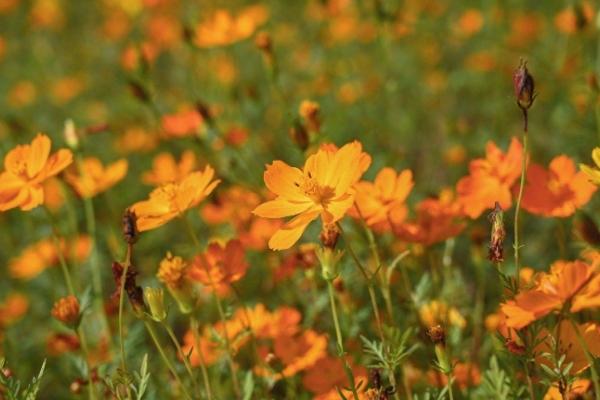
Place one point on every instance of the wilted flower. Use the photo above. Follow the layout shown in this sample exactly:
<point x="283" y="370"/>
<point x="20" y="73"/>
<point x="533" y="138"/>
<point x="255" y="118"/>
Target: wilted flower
<point x="496" y="247"/>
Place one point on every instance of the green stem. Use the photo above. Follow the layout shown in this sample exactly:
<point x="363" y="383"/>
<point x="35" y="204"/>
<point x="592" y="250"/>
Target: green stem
<point x="121" y="297"/>
<point x="86" y="355"/>
<point x="369" y="280"/>
<point x="185" y="360"/>
<point x="59" y="252"/>
<point x="516" y="244"/>
<point x="195" y="327"/>
<point x="340" y="341"/>
<point x="165" y="359"/>
<point x="589" y="357"/>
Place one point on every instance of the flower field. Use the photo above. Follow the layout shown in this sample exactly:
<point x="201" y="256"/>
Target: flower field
<point x="312" y="199"/>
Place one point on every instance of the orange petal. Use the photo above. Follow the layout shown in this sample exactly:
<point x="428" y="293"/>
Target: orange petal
<point x="38" y="154"/>
<point x="281" y="207"/>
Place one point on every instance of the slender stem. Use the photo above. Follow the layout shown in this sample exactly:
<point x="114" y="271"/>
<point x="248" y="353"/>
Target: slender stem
<point x="165" y="359"/>
<point x="340" y="341"/>
<point x="71" y="290"/>
<point x="90" y="219"/>
<point x="121" y="297"/>
<point x="60" y="254"/>
<point x="195" y="327"/>
<point x="185" y="360"/>
<point x="589" y="357"/>
<point x="236" y="384"/>
<point x="86" y="355"/>
<point x="516" y="244"/>
<point x="367" y="278"/>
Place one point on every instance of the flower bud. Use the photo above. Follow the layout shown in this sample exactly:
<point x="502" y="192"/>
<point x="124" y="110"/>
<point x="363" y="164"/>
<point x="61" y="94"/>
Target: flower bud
<point x="329" y="236"/>
<point x="437" y="334"/>
<point x="172" y="271"/>
<point x="129" y="223"/>
<point x="496" y="248"/>
<point x="155" y="299"/>
<point x="524" y="86"/>
<point x="66" y="310"/>
<point x="70" y="134"/>
<point x="310" y="112"/>
<point x="329" y="260"/>
<point x="299" y="135"/>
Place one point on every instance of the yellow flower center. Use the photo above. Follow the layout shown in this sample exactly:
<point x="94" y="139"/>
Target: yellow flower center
<point x="319" y="194"/>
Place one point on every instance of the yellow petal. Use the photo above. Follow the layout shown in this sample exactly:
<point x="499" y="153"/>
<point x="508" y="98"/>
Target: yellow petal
<point x="38" y="154"/>
<point x="289" y="234"/>
<point x="596" y="156"/>
<point x="280" y="207"/>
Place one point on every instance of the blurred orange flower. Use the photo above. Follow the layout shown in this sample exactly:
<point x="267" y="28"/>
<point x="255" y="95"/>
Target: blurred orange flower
<point x="173" y="199"/>
<point x="558" y="191"/>
<point x="92" y="178"/>
<point x="490" y="179"/>
<point x="384" y="199"/>
<point x="219" y="265"/>
<point x="569" y="345"/>
<point x="222" y="28"/>
<point x="465" y="374"/>
<point x="470" y="22"/>
<point x="186" y="122"/>
<point x="14" y="306"/>
<point x="327" y="374"/>
<point x="323" y="187"/>
<point x="26" y="167"/>
<point x="436" y="221"/>
<point x="165" y="169"/>
<point x="37" y="257"/>
<point x="575" y="390"/>
<point x="573" y="18"/>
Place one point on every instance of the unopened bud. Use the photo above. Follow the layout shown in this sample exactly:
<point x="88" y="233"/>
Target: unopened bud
<point x="524" y="86"/>
<point x="496" y="248"/>
<point x="129" y="223"/>
<point x="66" y="310"/>
<point x="437" y="334"/>
<point x="155" y="299"/>
<point x="299" y="135"/>
<point x="70" y="134"/>
<point x="329" y="236"/>
<point x="310" y="112"/>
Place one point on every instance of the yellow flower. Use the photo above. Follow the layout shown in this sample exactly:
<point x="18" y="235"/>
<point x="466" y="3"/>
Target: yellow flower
<point x="173" y="199"/>
<point x="93" y="178"/>
<point x="323" y="187"/>
<point x="26" y="167"/>
<point x="593" y="173"/>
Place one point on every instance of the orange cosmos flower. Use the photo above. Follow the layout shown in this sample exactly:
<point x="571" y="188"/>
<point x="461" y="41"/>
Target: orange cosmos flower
<point x="92" y="177"/>
<point x="490" y="179"/>
<point x="173" y="199"/>
<point x="575" y="283"/>
<point x="220" y="265"/>
<point x="221" y="28"/>
<point x="323" y="187"/>
<point x="437" y="220"/>
<point x="35" y="258"/>
<point x="296" y="353"/>
<point x="66" y="309"/>
<point x="557" y="192"/>
<point x="165" y="169"/>
<point x="384" y="199"/>
<point x="233" y="205"/>
<point x="26" y="167"/>
<point x="183" y="123"/>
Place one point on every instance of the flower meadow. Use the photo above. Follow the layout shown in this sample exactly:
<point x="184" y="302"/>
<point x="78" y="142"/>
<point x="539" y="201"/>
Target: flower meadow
<point x="315" y="199"/>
